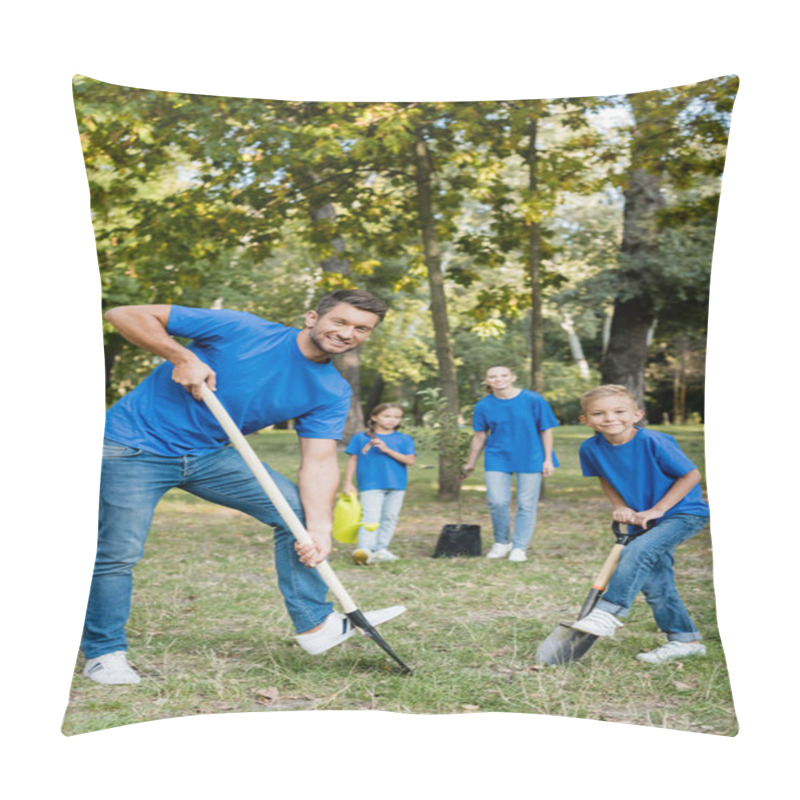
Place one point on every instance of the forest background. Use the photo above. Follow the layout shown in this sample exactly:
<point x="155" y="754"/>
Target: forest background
<point x="568" y="238"/>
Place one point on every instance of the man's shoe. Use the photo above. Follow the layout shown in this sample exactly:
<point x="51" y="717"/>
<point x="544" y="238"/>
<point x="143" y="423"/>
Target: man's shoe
<point x="671" y="651"/>
<point x="499" y="550"/>
<point x="383" y="555"/>
<point x="110" y="668"/>
<point x="338" y="628"/>
<point x="363" y="556"/>
<point x="598" y="622"/>
<point x="517" y="554"/>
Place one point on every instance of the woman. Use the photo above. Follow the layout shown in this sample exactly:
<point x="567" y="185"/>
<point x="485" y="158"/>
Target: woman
<point x="515" y="426"/>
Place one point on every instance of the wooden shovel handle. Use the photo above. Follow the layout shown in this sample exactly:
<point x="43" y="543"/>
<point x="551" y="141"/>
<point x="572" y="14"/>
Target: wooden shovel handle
<point x="274" y="493"/>
<point x="607" y="570"/>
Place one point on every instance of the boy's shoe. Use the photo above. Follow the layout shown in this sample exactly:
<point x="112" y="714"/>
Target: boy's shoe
<point x="517" y="554"/>
<point x="671" y="651"/>
<point x="598" y="623"/>
<point x="363" y="556"/>
<point x="110" y="668"/>
<point x="384" y="555"/>
<point x="337" y="628"/>
<point x="499" y="550"/>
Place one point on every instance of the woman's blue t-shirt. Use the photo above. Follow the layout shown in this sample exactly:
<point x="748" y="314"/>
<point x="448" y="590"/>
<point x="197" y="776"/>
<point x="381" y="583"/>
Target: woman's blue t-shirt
<point x="514" y="443"/>
<point x="643" y="470"/>
<point x="376" y="470"/>
<point x="262" y="379"/>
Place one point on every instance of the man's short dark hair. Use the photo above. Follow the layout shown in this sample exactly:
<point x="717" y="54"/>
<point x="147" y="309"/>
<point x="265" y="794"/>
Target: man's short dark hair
<point x="354" y="297"/>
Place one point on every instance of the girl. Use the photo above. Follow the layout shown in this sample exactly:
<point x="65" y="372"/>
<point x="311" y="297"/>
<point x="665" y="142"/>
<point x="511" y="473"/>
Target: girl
<point x="380" y="458"/>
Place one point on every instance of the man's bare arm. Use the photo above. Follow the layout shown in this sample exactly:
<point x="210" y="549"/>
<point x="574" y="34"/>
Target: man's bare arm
<point x="146" y="327"/>
<point x="318" y="481"/>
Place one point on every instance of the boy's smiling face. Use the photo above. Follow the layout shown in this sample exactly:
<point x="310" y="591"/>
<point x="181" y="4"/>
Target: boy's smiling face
<point x="614" y="416"/>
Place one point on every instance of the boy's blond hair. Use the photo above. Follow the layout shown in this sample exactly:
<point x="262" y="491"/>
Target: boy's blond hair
<point x="606" y="390"/>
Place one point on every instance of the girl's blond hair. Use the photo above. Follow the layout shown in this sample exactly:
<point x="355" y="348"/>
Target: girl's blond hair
<point x="607" y="390"/>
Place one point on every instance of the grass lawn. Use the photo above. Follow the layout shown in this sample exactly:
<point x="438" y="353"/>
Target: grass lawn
<point x="210" y="633"/>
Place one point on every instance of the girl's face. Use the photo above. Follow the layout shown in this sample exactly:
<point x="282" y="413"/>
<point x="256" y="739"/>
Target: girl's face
<point x="388" y="419"/>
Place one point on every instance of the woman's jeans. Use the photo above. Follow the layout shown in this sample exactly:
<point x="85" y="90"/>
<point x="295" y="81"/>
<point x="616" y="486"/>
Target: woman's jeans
<point x="381" y="506"/>
<point x="132" y="482"/>
<point x="646" y="565"/>
<point x="498" y="491"/>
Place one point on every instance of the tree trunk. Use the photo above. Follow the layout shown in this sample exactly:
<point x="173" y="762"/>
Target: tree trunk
<point x="534" y="269"/>
<point x="634" y="313"/>
<point x="575" y="346"/>
<point x="374" y="395"/>
<point x="348" y="364"/>
<point x="449" y="468"/>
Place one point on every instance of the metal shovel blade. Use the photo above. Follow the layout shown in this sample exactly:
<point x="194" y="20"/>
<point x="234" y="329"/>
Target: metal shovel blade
<point x="360" y="621"/>
<point x="563" y="645"/>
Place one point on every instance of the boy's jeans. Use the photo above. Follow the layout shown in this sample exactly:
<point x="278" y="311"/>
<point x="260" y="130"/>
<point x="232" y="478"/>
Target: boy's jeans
<point x="132" y="482"/>
<point x="646" y="565"/>
<point x="498" y="491"/>
<point x="382" y="506"/>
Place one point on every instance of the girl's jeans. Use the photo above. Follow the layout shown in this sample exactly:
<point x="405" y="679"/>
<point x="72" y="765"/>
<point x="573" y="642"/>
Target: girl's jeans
<point x="382" y="506"/>
<point x="646" y="565"/>
<point x="132" y="482"/>
<point x="498" y="491"/>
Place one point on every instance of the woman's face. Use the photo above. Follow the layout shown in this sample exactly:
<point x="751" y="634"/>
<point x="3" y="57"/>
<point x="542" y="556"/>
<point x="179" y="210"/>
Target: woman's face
<point x="499" y="378"/>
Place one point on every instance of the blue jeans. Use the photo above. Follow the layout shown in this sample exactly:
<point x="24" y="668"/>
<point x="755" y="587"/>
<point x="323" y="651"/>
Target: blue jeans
<point x="646" y="565"/>
<point x="498" y="491"/>
<point x="131" y="484"/>
<point x="382" y="506"/>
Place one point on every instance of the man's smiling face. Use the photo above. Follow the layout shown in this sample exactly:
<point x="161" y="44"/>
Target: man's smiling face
<point x="342" y="328"/>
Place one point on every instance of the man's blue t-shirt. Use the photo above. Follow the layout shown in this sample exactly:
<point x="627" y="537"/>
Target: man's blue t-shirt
<point x="262" y="379"/>
<point x="514" y="443"/>
<point x="376" y="470"/>
<point x="643" y="470"/>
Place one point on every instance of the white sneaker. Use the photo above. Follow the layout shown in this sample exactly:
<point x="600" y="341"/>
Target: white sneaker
<point x="383" y="555"/>
<point x="363" y="556"/>
<point x="337" y="628"/>
<point x="499" y="550"/>
<point x="110" y="668"/>
<point x="672" y="650"/>
<point x="598" y="622"/>
<point x="517" y="554"/>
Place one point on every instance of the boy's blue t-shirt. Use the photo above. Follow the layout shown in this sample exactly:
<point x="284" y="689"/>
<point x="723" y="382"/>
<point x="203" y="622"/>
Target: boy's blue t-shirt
<point x="515" y="424"/>
<point x="643" y="470"/>
<point x="262" y="379"/>
<point x="376" y="470"/>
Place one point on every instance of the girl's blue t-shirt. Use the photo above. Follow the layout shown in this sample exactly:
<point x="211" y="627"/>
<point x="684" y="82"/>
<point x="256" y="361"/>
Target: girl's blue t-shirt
<point x="262" y="379"/>
<point x="514" y="443"/>
<point x="643" y="470"/>
<point x="376" y="470"/>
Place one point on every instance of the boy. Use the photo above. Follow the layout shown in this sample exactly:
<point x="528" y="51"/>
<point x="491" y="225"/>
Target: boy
<point x="646" y="476"/>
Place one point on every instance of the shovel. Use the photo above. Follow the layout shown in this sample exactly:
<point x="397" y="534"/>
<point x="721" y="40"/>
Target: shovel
<point x="290" y="518"/>
<point x="565" y="644"/>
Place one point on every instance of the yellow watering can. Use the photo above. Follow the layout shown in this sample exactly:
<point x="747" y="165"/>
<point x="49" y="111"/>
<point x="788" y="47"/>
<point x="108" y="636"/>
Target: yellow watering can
<point x="347" y="519"/>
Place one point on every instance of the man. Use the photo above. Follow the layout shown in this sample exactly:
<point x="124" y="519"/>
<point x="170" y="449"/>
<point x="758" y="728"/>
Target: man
<point x="161" y="436"/>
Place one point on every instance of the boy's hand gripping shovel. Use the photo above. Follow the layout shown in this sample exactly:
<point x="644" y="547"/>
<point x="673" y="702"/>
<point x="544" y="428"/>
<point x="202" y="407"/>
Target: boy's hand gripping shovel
<point x="565" y="644"/>
<point x="290" y="518"/>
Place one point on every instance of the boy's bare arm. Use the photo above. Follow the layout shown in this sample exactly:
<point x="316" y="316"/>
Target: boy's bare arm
<point x="674" y="495"/>
<point x="621" y="513"/>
